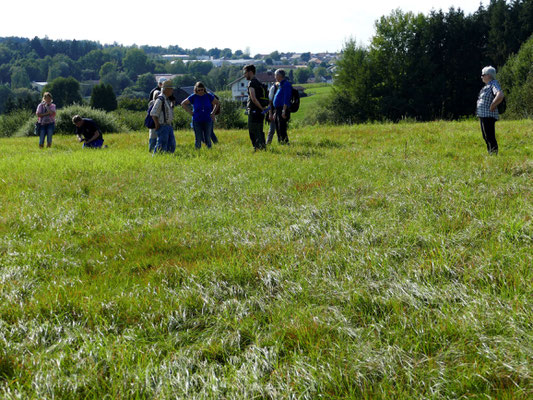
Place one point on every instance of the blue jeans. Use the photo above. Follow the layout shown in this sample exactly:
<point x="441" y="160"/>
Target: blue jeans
<point x="151" y="144"/>
<point x="95" y="144"/>
<point x="202" y="133"/>
<point x="214" y="138"/>
<point x="46" y="131"/>
<point x="166" y="141"/>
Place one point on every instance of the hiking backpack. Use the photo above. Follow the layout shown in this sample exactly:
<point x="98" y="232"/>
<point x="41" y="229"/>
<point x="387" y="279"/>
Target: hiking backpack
<point x="295" y="101"/>
<point x="263" y="96"/>
<point x="502" y="106"/>
<point x="148" y="120"/>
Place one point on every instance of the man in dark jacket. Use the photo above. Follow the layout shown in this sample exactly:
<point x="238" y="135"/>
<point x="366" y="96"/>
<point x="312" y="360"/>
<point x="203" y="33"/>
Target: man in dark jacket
<point x="256" y="115"/>
<point x="88" y="132"/>
<point x="157" y="88"/>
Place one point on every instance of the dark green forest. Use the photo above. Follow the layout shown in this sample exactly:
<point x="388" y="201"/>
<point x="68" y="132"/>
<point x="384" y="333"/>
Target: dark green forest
<point x="428" y="67"/>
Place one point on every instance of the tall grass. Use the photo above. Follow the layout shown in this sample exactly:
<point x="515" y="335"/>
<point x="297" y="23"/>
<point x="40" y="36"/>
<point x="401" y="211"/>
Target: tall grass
<point x="373" y="261"/>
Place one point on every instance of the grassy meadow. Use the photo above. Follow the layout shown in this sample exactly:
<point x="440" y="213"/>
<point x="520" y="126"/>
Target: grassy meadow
<point x="315" y="92"/>
<point x="360" y="262"/>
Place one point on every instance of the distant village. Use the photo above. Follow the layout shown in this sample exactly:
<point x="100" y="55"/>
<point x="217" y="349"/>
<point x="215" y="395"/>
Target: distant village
<point x="289" y="62"/>
<point x="322" y="65"/>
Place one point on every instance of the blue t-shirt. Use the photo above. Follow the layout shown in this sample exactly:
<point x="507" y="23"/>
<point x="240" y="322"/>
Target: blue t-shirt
<point x="201" y="107"/>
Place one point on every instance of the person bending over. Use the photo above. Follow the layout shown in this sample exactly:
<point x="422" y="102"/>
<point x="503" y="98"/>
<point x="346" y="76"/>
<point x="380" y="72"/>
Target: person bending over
<point x="88" y="132"/>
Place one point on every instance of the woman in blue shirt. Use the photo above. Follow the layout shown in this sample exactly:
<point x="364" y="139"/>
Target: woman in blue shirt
<point x="204" y="107"/>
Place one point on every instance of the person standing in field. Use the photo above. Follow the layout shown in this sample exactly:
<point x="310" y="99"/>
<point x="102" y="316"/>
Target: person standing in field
<point x="204" y="108"/>
<point x="270" y="118"/>
<point x="214" y="138"/>
<point x="160" y="82"/>
<point x="282" y="102"/>
<point x="88" y="132"/>
<point x="46" y="113"/>
<point x="256" y="115"/>
<point x="487" y="107"/>
<point x="163" y="114"/>
<point x="152" y="135"/>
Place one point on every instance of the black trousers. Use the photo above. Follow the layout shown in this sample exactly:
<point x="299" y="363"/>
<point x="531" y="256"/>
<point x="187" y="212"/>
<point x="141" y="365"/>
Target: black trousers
<point x="488" y="129"/>
<point x="255" y="129"/>
<point x="281" y="126"/>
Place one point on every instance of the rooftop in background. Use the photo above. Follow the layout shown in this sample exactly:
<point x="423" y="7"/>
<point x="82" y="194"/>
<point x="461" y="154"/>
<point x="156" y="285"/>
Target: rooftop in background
<point x="166" y="76"/>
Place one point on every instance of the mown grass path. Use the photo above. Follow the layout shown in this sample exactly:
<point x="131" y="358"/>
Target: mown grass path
<point x="375" y="261"/>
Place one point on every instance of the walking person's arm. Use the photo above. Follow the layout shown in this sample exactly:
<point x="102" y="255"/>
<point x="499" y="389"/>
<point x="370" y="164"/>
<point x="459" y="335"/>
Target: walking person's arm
<point x="78" y="133"/>
<point x="156" y="110"/>
<point x="95" y="136"/>
<point x="286" y="99"/>
<point x="216" y="105"/>
<point x="185" y="104"/>
<point x="156" y="122"/>
<point x="42" y="112"/>
<point x="52" y="110"/>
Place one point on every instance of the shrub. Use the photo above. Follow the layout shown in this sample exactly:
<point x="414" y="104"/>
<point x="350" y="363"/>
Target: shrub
<point x="107" y="122"/>
<point x="182" y="120"/>
<point x="320" y="113"/>
<point x="132" y="120"/>
<point x="132" y="93"/>
<point x="12" y="122"/>
<point x="231" y="116"/>
<point x="133" y="104"/>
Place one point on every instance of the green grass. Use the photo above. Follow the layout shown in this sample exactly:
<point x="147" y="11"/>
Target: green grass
<point x="315" y="93"/>
<point x="374" y="262"/>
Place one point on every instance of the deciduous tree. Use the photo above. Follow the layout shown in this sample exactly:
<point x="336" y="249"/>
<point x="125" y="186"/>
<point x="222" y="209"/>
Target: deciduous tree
<point x="65" y="91"/>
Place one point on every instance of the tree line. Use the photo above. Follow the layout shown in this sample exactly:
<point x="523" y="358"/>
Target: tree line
<point x="128" y="70"/>
<point x="427" y="67"/>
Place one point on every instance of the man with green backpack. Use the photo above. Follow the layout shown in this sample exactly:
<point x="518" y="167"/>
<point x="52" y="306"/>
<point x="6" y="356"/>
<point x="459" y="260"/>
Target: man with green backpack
<point x="256" y="106"/>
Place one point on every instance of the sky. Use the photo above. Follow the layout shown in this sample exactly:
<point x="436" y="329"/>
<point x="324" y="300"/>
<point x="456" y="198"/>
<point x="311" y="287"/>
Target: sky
<point x="291" y="26"/>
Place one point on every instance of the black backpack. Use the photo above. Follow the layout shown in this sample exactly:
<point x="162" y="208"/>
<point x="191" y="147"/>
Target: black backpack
<point x="502" y="106"/>
<point x="295" y="101"/>
<point x="148" y="120"/>
<point x="263" y="96"/>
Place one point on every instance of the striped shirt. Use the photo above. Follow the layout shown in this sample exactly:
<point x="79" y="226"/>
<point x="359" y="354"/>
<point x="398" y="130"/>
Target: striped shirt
<point x="485" y="98"/>
<point x="157" y="111"/>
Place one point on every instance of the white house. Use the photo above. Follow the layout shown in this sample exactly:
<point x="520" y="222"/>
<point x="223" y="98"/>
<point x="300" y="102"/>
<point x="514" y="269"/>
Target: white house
<point x="239" y="87"/>
<point x="241" y="62"/>
<point x="39" y="86"/>
<point x="168" y="77"/>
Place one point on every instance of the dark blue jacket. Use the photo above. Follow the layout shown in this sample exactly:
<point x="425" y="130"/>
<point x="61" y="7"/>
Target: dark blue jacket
<point x="283" y="95"/>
